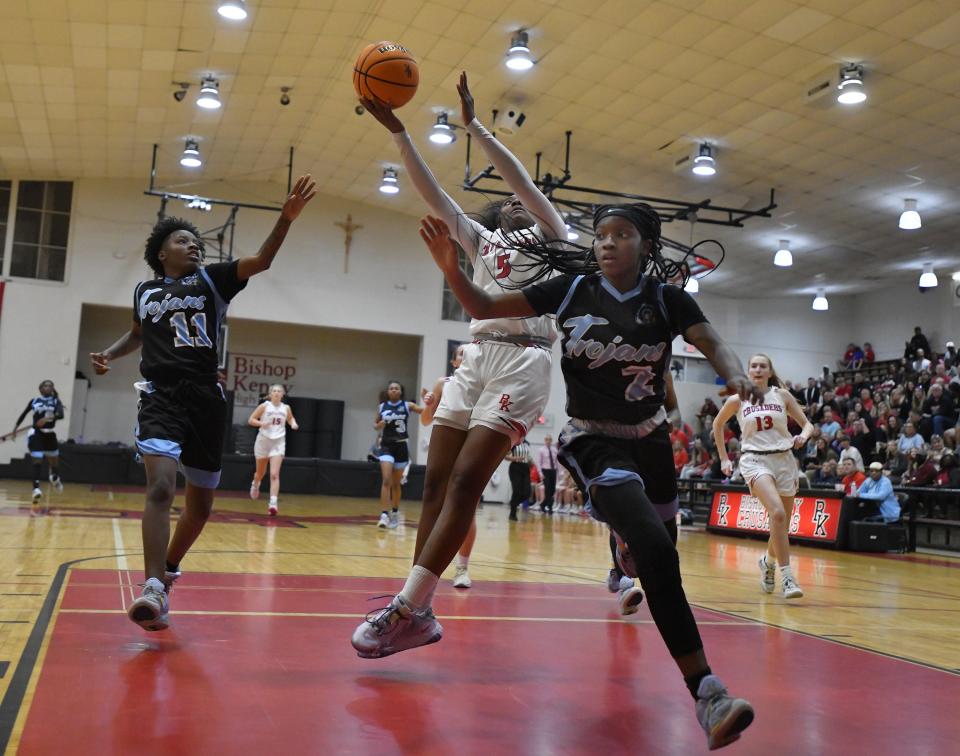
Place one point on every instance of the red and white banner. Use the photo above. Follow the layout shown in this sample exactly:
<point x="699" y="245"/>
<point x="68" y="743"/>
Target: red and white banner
<point x="815" y="518"/>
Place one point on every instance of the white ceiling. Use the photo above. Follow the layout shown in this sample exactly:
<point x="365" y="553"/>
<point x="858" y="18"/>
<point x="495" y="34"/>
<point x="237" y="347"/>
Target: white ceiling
<point x="86" y="89"/>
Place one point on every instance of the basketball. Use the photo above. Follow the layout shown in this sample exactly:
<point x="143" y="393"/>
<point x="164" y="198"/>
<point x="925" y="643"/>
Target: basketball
<point x="386" y="71"/>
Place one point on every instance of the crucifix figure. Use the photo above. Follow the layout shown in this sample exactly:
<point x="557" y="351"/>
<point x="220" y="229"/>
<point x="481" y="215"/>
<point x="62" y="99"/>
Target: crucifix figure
<point x="348" y="228"/>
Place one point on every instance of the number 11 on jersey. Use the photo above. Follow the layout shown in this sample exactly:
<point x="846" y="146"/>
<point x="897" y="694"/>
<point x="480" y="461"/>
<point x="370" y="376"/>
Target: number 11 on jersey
<point x="181" y="331"/>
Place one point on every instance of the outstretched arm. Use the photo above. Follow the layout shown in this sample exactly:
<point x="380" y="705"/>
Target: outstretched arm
<point x="511" y="169"/>
<point x="129" y="342"/>
<point x="475" y="300"/>
<point x="465" y="230"/>
<point x="303" y="191"/>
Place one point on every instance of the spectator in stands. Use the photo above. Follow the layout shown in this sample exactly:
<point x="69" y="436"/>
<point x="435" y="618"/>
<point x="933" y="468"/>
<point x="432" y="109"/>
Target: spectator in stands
<point x="858" y="384"/>
<point x="919" y="341"/>
<point x="910" y="439"/>
<point x="699" y="462"/>
<point x="868" y="353"/>
<point x="878" y="488"/>
<point x="940" y="408"/>
<point x="851" y="418"/>
<point x="949" y="475"/>
<point x="826" y="379"/>
<point x="826" y="476"/>
<point x="828" y="402"/>
<point x="866" y="399"/>
<point x="917" y="399"/>
<point x="950" y="355"/>
<point x="822" y="452"/>
<point x="677" y="434"/>
<point x="680" y="456"/>
<point x="862" y="438"/>
<point x="850" y="357"/>
<point x="920" y="362"/>
<point x="709" y="407"/>
<point x="843" y="390"/>
<point x="848" y="451"/>
<point x="829" y="427"/>
<point x="851" y="477"/>
<point x="920" y="470"/>
<point x="808" y="454"/>
<point x="894" y="462"/>
<point x="811" y="394"/>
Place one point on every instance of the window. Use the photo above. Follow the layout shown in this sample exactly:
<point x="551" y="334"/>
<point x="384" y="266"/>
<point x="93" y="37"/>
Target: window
<point x="452" y="309"/>
<point x="4" y="214"/>
<point x="41" y="230"/>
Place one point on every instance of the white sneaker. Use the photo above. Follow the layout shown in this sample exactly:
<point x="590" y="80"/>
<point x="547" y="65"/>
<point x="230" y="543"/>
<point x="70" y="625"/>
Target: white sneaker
<point x="394" y="520"/>
<point x="721" y="716"/>
<point x="768" y="575"/>
<point x="37" y="495"/>
<point x="629" y="596"/>
<point x="150" y="611"/>
<point x="395" y="628"/>
<point x="461" y="579"/>
<point x="57" y="483"/>
<point x="272" y="509"/>
<point x="254" y="491"/>
<point x="791" y="589"/>
<point x="384" y="521"/>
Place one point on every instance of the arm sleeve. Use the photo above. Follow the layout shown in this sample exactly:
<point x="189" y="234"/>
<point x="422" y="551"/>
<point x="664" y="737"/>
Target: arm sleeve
<point x="682" y="309"/>
<point x="465" y="230"/>
<point x="547" y="296"/>
<point x="517" y="178"/>
<point x="23" y="414"/>
<point x="224" y="277"/>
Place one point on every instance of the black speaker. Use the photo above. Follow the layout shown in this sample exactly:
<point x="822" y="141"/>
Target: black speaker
<point x="300" y="443"/>
<point x="329" y="428"/>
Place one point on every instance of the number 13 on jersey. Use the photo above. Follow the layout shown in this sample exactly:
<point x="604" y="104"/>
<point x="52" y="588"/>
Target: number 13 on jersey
<point x="181" y="331"/>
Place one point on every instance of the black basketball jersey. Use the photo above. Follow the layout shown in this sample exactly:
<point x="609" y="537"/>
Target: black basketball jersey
<point x="49" y="408"/>
<point x="180" y="322"/>
<point x="616" y="346"/>
<point x="395" y="415"/>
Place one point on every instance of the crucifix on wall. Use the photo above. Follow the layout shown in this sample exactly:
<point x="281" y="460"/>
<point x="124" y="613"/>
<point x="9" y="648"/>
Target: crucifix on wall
<point x="348" y="228"/>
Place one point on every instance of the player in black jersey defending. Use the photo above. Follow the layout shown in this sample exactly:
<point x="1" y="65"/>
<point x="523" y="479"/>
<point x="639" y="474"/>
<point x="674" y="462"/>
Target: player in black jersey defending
<point x="617" y="326"/>
<point x="42" y="441"/>
<point x="182" y="412"/>
<point x="392" y="421"/>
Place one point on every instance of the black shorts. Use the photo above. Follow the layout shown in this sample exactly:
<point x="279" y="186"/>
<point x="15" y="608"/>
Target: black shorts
<point x="395" y="452"/>
<point x="595" y="460"/>
<point x="184" y="421"/>
<point x="43" y="444"/>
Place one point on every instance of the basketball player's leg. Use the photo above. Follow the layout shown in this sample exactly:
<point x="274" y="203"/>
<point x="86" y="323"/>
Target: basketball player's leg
<point x="764" y="488"/>
<point x="386" y="483"/>
<point x="276" y="462"/>
<point x="259" y="471"/>
<point x="461" y="578"/>
<point x="198" y="503"/>
<point x="446" y="442"/>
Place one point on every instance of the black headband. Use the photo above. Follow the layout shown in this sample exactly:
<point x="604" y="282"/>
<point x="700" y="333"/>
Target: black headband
<point x="641" y="215"/>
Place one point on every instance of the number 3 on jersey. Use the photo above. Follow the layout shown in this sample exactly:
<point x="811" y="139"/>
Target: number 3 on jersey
<point x="181" y="330"/>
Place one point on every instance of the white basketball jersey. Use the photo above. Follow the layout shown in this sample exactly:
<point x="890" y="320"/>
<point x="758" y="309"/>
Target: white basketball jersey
<point x="274" y="419"/>
<point x="496" y="264"/>
<point x="764" y="426"/>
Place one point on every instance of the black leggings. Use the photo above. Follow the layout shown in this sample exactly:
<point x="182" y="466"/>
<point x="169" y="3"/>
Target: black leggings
<point x="628" y="511"/>
<point x="670" y="525"/>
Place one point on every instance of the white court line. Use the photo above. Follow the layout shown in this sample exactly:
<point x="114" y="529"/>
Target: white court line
<point x="118" y="545"/>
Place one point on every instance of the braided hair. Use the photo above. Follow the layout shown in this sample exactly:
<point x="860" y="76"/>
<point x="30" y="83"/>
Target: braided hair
<point x="563" y="256"/>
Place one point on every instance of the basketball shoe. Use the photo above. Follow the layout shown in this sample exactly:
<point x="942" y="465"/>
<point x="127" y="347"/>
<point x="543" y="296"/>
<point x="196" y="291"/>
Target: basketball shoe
<point x="384" y="521"/>
<point x="722" y="717"/>
<point x="395" y="628"/>
<point x="254" y="491"/>
<point x="394" y="519"/>
<point x="613" y="581"/>
<point x="37" y="494"/>
<point x="461" y="579"/>
<point x="630" y="597"/>
<point x="768" y="575"/>
<point x="150" y="611"/>
<point x="790" y="588"/>
<point x="272" y="509"/>
<point x="57" y="483"/>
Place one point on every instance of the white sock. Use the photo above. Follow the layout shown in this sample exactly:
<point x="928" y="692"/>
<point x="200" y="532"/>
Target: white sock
<point x="419" y="588"/>
<point x="785" y="572"/>
<point x="273" y="500"/>
<point x="461" y="561"/>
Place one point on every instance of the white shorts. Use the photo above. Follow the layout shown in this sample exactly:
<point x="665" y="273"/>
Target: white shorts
<point x="501" y="386"/>
<point x="269" y="447"/>
<point x="782" y="467"/>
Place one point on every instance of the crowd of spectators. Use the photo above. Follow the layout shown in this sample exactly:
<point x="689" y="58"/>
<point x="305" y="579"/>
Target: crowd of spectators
<point x="902" y="423"/>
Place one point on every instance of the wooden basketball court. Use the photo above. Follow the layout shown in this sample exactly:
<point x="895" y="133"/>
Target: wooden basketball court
<point x="535" y="657"/>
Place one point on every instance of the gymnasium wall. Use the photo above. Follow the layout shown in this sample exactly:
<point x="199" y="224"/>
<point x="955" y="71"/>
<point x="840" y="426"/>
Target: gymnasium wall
<point x="392" y="288"/>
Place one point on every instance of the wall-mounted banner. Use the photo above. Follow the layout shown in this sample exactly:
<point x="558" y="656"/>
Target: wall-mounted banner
<point x="250" y="376"/>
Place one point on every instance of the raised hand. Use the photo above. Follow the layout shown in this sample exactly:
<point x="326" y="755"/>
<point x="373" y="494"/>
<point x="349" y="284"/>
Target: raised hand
<point x="384" y="114"/>
<point x="744" y="388"/>
<point x="436" y="235"/>
<point x="303" y="191"/>
<point x="467" y="110"/>
<point x="428" y="398"/>
<point x="99" y="361"/>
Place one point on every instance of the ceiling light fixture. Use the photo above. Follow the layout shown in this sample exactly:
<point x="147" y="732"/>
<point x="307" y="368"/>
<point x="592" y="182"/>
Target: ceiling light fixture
<point x="442" y="132"/>
<point x="704" y="163"/>
<point x="179" y="94"/>
<point x="820" y="301"/>
<point x="235" y="10"/>
<point x="850" y="87"/>
<point x="191" y="155"/>
<point x="209" y="97"/>
<point x="390" y="183"/>
<point x="692" y="286"/>
<point x="928" y="279"/>
<point x="783" y="258"/>
<point x="910" y="218"/>
<point x="518" y="56"/>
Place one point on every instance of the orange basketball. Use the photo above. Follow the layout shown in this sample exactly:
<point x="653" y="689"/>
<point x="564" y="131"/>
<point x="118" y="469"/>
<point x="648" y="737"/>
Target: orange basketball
<point x="387" y="72"/>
